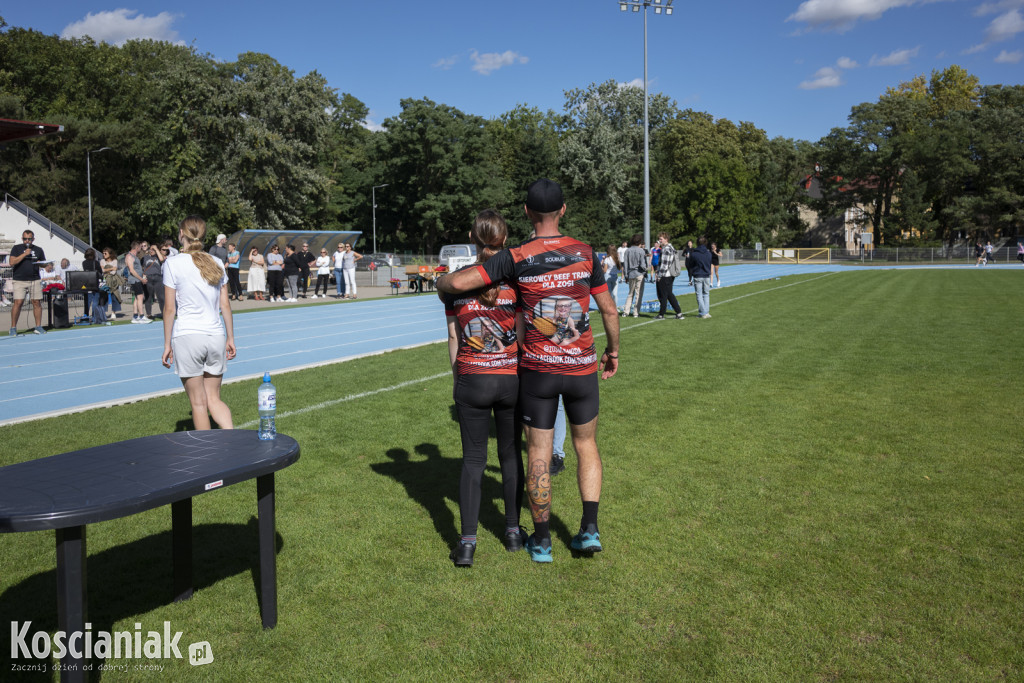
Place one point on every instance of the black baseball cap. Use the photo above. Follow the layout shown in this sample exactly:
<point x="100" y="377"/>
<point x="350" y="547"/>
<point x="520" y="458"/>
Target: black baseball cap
<point x="544" y="196"/>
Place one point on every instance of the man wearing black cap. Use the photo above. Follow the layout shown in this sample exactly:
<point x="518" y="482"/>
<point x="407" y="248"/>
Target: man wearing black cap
<point x="551" y="270"/>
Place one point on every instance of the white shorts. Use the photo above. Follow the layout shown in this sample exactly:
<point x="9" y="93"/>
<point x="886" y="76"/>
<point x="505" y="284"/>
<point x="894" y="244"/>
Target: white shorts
<point x="198" y="354"/>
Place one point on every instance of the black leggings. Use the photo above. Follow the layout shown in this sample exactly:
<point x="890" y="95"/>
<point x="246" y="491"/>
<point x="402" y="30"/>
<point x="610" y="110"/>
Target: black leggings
<point x="275" y="283"/>
<point x="322" y="280"/>
<point x="665" y="295"/>
<point x="475" y="397"/>
<point x="234" y="284"/>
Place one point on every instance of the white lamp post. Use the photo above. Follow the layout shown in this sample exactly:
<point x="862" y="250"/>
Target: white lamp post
<point x="373" y="200"/>
<point x="659" y="6"/>
<point x="88" y="184"/>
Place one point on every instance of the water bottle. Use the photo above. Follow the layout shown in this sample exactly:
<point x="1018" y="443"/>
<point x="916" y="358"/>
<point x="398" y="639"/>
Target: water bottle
<point x="267" y="403"/>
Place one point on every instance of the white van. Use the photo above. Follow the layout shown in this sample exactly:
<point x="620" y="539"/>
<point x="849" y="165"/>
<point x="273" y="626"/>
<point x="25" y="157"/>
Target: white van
<point x="455" y="256"/>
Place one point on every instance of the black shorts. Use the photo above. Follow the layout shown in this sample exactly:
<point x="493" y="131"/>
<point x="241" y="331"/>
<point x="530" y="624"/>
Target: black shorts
<point x="138" y="289"/>
<point x="539" y="392"/>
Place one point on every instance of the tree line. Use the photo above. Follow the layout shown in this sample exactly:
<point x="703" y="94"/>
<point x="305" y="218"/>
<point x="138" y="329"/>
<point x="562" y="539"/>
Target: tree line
<point x="247" y="144"/>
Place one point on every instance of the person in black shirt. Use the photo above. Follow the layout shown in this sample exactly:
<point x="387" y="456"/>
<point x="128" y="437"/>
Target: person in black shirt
<point x="305" y="258"/>
<point x="292" y="267"/>
<point x="25" y="259"/>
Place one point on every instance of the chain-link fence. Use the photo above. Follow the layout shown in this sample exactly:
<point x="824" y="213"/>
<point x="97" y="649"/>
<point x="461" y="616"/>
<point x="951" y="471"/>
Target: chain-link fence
<point x="958" y="254"/>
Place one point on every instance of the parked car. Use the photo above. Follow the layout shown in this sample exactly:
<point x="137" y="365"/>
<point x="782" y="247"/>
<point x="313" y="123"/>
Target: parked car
<point x="458" y="254"/>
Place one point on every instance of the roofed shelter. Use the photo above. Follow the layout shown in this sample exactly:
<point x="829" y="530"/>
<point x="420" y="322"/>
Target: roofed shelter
<point x="11" y="130"/>
<point x="245" y="240"/>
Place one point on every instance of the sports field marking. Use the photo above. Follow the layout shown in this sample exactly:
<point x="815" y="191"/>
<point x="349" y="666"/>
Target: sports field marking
<point x="402" y="385"/>
<point x="352" y="397"/>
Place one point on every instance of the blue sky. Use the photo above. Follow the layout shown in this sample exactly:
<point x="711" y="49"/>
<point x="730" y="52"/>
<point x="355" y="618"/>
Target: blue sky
<point x="793" y="68"/>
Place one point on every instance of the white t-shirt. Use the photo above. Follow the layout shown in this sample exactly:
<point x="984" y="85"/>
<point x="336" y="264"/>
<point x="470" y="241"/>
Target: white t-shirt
<point x="339" y="259"/>
<point x="323" y="264"/>
<point x="197" y="301"/>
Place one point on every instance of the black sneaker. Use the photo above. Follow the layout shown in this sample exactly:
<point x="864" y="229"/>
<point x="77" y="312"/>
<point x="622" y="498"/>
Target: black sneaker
<point x="659" y="317"/>
<point x="515" y="540"/>
<point x="557" y="465"/>
<point x="462" y="554"/>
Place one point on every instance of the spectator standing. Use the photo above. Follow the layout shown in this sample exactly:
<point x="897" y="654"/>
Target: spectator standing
<point x="112" y="282"/>
<point x="25" y="259"/>
<point x="169" y="246"/>
<point x="700" y="267"/>
<point x="612" y="265"/>
<point x="621" y="251"/>
<point x="716" y="257"/>
<point x="233" y="265"/>
<point x="687" y="250"/>
<point x="635" y="265"/>
<point x="256" y="282"/>
<point x="1020" y="252"/>
<point x="219" y="249"/>
<point x="668" y="270"/>
<point x="137" y="282"/>
<point x="91" y="265"/>
<point x="323" y="273"/>
<point x="292" y="268"/>
<point x="199" y="335"/>
<point x="339" y="270"/>
<point x="152" y="268"/>
<point x="275" y="274"/>
<point x="305" y="258"/>
<point x="351" y="256"/>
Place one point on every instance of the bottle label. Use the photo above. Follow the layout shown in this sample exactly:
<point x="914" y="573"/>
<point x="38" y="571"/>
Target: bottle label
<point x="268" y="401"/>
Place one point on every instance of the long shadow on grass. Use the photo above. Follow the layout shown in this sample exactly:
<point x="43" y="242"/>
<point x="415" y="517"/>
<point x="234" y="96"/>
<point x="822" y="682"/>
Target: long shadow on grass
<point x="432" y="481"/>
<point x="133" y="579"/>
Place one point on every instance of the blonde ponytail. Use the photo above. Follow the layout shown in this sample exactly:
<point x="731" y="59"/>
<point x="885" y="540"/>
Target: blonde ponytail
<point x="193" y="230"/>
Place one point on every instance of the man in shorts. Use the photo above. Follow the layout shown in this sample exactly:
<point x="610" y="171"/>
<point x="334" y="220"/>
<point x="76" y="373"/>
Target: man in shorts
<point x="548" y="269"/>
<point x="137" y="281"/>
<point x="25" y="259"/>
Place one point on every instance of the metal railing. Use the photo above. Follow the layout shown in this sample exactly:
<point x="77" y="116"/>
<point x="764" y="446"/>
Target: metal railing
<point x="44" y="223"/>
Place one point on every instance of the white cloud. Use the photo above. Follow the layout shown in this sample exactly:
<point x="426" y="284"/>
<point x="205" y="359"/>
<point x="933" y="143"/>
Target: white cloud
<point x="121" y="25"/>
<point x="446" y="63"/>
<point x="996" y="7"/>
<point x="1009" y="57"/>
<point x="827" y="77"/>
<point x="895" y="58"/>
<point x="492" y="61"/>
<point x="370" y="124"/>
<point x="846" y="63"/>
<point x="635" y="83"/>
<point x="842" y="15"/>
<point x="1004" y="27"/>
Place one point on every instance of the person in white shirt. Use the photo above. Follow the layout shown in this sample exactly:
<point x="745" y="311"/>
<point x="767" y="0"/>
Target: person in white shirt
<point x="323" y="272"/>
<point x="339" y="270"/>
<point x="199" y="335"/>
<point x="351" y="256"/>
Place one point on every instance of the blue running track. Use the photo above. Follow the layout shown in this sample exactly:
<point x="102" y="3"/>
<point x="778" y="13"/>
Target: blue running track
<point x="69" y="371"/>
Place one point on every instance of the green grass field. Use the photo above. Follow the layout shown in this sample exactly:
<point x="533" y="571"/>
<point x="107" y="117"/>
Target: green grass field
<point x="821" y="482"/>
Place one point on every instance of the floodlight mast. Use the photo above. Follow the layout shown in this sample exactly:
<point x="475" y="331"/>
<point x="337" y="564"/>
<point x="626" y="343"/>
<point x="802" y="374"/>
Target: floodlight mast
<point x="373" y="200"/>
<point x="635" y="5"/>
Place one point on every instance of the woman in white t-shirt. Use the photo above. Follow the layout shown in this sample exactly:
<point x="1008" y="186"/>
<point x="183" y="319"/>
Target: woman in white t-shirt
<point x="323" y="272"/>
<point x="196" y="338"/>
<point x="351" y="256"/>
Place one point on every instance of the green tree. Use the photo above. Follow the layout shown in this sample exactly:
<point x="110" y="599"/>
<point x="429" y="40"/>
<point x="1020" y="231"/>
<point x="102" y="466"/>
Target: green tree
<point x="442" y="172"/>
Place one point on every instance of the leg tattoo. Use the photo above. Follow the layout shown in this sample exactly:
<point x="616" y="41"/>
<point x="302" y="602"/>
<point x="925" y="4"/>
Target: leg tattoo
<point x="538" y="485"/>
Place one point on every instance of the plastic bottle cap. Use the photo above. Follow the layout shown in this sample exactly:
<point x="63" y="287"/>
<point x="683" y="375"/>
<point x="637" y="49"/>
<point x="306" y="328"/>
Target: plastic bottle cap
<point x="266" y="376"/>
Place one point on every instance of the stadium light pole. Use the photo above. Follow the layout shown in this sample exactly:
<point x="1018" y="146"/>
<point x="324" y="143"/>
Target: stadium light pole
<point x="373" y="200"/>
<point x="88" y="184"/>
<point x="660" y="6"/>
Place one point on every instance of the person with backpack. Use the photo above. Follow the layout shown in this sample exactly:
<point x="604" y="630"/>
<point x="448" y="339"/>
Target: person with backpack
<point x="667" y="271"/>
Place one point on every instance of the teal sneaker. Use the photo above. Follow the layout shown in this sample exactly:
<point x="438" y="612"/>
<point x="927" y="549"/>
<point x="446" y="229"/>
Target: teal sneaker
<point x="540" y="550"/>
<point x="587" y="541"/>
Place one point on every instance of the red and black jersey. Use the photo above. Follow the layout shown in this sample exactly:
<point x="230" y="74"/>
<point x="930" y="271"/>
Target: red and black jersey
<point x="488" y="344"/>
<point x="555" y="277"/>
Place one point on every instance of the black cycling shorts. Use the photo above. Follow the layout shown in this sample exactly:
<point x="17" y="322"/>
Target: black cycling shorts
<point x="539" y="392"/>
